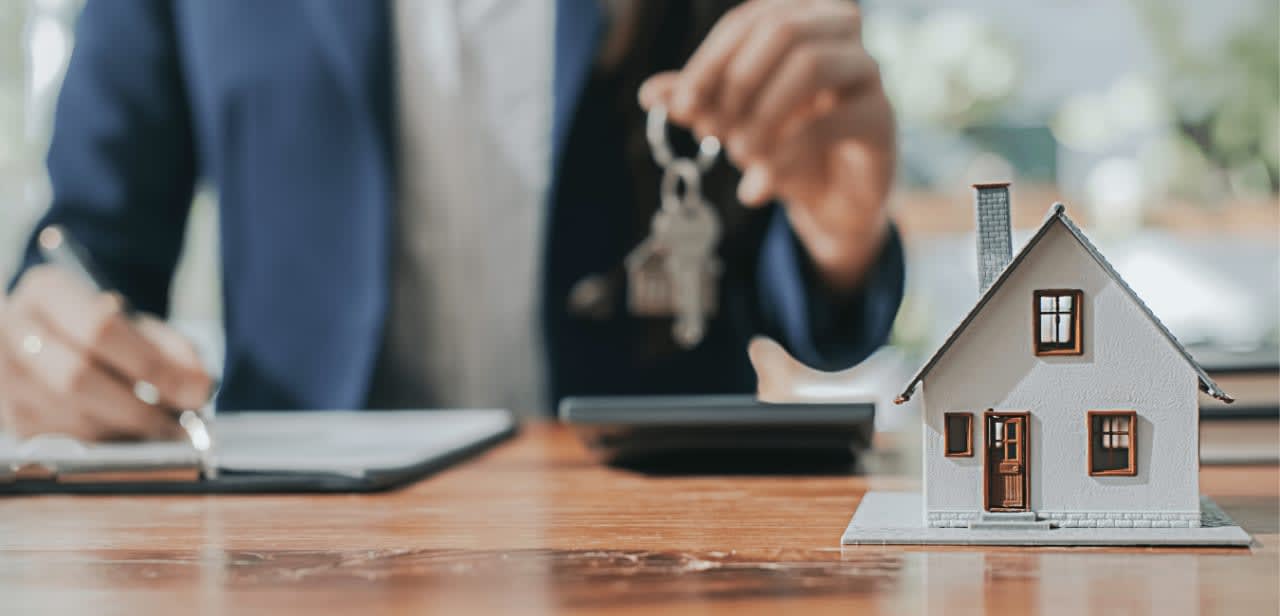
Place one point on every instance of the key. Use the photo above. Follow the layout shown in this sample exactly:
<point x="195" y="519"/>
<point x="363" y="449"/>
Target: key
<point x="648" y="287"/>
<point x="674" y="271"/>
<point x="689" y="235"/>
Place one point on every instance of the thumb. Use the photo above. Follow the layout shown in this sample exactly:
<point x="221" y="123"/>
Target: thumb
<point x="772" y="368"/>
<point x="657" y="89"/>
<point x="194" y="382"/>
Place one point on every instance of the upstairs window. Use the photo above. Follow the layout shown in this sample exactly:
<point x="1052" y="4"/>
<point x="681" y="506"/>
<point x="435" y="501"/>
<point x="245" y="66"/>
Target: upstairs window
<point x="1057" y="322"/>
<point x="1113" y="443"/>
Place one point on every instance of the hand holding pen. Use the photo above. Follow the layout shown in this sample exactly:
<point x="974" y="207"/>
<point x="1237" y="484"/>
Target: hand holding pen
<point x="74" y="359"/>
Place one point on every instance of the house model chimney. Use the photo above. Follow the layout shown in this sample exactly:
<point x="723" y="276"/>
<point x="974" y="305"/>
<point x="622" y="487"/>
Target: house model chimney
<point x="995" y="247"/>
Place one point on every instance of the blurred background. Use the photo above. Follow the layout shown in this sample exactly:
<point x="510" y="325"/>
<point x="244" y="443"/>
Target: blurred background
<point x="1156" y="121"/>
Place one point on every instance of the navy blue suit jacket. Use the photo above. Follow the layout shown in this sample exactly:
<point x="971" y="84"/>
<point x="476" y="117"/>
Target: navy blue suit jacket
<point x="286" y="107"/>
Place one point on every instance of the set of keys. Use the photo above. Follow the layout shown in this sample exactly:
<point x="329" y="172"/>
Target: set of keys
<point x="674" y="272"/>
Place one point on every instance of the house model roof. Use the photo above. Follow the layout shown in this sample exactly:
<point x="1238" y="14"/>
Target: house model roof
<point x="1057" y="214"/>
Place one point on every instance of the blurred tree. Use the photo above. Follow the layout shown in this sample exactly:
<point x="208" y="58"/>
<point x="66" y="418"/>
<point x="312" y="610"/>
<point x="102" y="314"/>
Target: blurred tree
<point x="1226" y="101"/>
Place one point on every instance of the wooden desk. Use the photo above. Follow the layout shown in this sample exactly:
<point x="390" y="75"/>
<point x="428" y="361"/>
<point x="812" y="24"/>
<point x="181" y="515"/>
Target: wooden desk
<point x="534" y="526"/>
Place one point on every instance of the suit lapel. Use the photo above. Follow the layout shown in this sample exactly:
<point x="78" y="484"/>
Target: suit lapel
<point x="355" y="39"/>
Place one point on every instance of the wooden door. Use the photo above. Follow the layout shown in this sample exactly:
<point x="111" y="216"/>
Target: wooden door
<point x="1006" y="481"/>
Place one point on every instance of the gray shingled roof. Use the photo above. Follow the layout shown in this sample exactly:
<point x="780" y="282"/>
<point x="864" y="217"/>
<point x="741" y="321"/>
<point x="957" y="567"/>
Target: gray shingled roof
<point x="1058" y="214"/>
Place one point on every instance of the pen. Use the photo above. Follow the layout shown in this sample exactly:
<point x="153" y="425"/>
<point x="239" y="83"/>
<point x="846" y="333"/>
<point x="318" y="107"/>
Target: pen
<point x="58" y="248"/>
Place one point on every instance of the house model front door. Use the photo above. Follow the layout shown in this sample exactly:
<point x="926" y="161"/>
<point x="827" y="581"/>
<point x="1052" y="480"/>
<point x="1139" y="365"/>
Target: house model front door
<point x="1005" y="482"/>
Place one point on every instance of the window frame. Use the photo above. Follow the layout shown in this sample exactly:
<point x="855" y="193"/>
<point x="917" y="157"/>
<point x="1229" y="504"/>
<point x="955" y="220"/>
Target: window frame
<point x="1132" y="468"/>
<point x="1077" y="327"/>
<point x="968" y="435"/>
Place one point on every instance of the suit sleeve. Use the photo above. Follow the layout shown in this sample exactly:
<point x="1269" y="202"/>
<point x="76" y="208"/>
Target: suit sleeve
<point x="121" y="160"/>
<point x="818" y="328"/>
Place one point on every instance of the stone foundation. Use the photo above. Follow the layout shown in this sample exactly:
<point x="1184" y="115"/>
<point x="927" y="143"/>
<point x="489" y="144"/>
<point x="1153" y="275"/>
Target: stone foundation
<point x="1122" y="519"/>
<point x="951" y="519"/>
<point x="1083" y="519"/>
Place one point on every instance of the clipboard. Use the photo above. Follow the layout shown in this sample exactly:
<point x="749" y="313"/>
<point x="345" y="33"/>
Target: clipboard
<point x="261" y="452"/>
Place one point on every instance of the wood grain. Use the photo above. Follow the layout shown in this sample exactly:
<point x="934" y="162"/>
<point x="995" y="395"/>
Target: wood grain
<point x="535" y="526"/>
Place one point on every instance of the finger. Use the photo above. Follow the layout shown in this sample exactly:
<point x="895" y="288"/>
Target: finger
<point x="806" y="144"/>
<point x="98" y="324"/>
<point x="8" y="417"/>
<point x="20" y="399"/>
<point x="701" y="72"/>
<point x="28" y="417"/>
<point x="762" y="53"/>
<point x="119" y="413"/>
<point x="33" y="404"/>
<point x="657" y="89"/>
<point x="756" y="186"/>
<point x="801" y="152"/>
<point x="810" y="74"/>
<point x="81" y="389"/>
<point x="182" y="356"/>
<point x="856" y="134"/>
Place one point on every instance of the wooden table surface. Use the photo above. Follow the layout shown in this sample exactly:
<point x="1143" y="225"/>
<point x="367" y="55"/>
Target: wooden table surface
<point x="535" y="526"/>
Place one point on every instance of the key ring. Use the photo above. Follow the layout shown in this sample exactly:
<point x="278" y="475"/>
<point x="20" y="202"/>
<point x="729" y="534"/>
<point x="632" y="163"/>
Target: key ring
<point x="655" y="131"/>
<point x="680" y="169"/>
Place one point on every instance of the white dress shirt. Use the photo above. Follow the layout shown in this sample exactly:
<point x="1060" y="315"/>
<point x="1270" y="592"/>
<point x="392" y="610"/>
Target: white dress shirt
<point x="474" y="107"/>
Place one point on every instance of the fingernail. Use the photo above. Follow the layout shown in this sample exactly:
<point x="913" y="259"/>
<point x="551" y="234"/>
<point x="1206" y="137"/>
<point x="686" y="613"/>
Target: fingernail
<point x="146" y="392"/>
<point x="754" y="183"/>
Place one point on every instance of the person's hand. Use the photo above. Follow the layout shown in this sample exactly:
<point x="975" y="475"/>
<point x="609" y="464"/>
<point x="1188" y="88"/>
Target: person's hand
<point x="71" y="360"/>
<point x="789" y="89"/>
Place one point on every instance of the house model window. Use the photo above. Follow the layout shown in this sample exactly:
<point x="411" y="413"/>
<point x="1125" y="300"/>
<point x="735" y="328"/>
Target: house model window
<point x="959" y="428"/>
<point x="1057" y="322"/>
<point x="1112" y="443"/>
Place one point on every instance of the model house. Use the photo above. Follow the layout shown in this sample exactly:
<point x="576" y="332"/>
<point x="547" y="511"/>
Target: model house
<point x="1060" y="400"/>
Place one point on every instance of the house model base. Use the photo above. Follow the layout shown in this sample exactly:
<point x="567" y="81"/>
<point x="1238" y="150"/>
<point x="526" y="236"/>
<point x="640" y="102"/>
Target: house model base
<point x="897" y="518"/>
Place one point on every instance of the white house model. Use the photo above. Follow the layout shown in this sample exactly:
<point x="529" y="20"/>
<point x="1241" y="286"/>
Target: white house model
<point x="1059" y="402"/>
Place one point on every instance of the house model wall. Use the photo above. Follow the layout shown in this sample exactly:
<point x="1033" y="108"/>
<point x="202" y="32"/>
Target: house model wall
<point x="1117" y="360"/>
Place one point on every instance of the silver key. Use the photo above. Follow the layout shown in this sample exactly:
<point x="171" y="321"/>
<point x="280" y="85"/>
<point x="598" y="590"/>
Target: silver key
<point x="674" y="272"/>
<point x="688" y="230"/>
<point x="691" y="269"/>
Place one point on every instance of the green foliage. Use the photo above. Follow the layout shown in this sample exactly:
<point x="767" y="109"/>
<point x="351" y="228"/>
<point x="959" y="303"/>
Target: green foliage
<point x="1226" y="99"/>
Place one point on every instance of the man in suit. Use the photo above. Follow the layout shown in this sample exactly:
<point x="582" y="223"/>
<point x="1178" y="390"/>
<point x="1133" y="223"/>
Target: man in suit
<point x="409" y="192"/>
